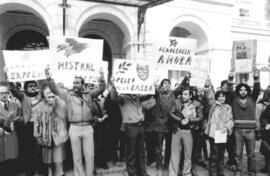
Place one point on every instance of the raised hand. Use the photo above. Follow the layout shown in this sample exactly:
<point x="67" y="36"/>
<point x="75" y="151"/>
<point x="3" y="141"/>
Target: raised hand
<point x="256" y="75"/>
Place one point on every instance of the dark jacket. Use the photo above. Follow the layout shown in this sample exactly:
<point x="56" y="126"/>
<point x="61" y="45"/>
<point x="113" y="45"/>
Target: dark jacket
<point x="177" y="116"/>
<point x="8" y="141"/>
<point x="164" y="104"/>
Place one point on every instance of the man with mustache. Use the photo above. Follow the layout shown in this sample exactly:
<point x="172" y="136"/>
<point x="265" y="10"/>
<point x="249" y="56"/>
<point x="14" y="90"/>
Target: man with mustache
<point x="80" y="116"/>
<point x="243" y="109"/>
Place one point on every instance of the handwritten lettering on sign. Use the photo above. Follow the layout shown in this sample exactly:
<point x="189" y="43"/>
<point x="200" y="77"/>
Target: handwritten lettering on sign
<point x="175" y="53"/>
<point x="26" y="65"/>
<point x="133" y="76"/>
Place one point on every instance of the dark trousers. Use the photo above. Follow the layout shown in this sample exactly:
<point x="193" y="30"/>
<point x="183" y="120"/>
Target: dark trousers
<point x="216" y="162"/>
<point x="135" y="155"/>
<point x="230" y="146"/>
<point x="123" y="146"/>
<point x="159" y="145"/>
<point x="31" y="156"/>
<point x="101" y="144"/>
<point x="196" y="134"/>
<point x="202" y="147"/>
<point x="150" y="143"/>
<point x="9" y="167"/>
<point x="268" y="163"/>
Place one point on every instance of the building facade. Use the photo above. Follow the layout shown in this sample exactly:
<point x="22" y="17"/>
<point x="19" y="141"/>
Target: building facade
<point x="28" y="24"/>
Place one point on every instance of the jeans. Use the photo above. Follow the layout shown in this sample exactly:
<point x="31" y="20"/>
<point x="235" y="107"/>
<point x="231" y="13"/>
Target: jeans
<point x="135" y="157"/>
<point x="160" y="136"/>
<point x="247" y="137"/>
<point x="81" y="138"/>
<point x="183" y="137"/>
<point x="216" y="162"/>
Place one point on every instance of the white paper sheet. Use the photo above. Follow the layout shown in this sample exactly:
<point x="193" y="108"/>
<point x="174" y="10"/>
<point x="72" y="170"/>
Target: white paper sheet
<point x="220" y="137"/>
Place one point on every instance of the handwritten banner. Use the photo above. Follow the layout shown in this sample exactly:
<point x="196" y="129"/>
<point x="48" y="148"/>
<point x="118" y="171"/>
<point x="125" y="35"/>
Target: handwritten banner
<point x="201" y="66"/>
<point x="76" y="57"/>
<point x="244" y="55"/>
<point x="26" y="65"/>
<point x="134" y="76"/>
<point x="175" y="53"/>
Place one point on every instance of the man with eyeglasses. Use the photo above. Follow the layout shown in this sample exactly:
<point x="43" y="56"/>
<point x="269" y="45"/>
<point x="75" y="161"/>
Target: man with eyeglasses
<point x="9" y="112"/>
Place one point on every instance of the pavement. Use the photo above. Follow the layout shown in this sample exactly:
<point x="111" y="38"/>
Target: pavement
<point x="151" y="170"/>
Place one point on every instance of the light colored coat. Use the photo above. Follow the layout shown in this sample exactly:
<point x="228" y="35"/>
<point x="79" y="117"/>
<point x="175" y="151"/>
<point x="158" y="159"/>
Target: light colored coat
<point x="220" y="115"/>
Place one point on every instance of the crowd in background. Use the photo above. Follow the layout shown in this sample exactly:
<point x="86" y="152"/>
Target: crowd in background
<point x="43" y="124"/>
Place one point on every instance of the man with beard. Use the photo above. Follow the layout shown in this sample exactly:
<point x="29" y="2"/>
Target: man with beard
<point x="80" y="116"/>
<point x="28" y="146"/>
<point x="243" y="108"/>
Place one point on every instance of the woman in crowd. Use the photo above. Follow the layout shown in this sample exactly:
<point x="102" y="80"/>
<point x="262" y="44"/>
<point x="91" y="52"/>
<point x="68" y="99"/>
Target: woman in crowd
<point x="219" y="119"/>
<point x="50" y="128"/>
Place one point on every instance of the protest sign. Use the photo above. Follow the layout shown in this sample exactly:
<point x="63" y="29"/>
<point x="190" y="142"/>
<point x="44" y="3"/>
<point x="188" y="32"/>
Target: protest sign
<point x="200" y="70"/>
<point x="133" y="76"/>
<point x="175" y="53"/>
<point x="244" y="56"/>
<point x="26" y="65"/>
<point x="76" y="57"/>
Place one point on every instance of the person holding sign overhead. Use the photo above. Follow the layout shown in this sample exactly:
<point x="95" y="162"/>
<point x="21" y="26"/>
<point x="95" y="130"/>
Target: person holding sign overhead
<point x="80" y="116"/>
<point x="245" y="123"/>
<point x="29" y="98"/>
<point x="220" y="124"/>
<point x="132" y="125"/>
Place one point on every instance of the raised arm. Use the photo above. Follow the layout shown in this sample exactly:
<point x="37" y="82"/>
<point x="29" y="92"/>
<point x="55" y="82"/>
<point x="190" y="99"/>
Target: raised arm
<point x="102" y="86"/>
<point x="184" y="83"/>
<point x="256" y="86"/>
<point x="16" y="92"/>
<point x="209" y="92"/>
<point x="114" y="95"/>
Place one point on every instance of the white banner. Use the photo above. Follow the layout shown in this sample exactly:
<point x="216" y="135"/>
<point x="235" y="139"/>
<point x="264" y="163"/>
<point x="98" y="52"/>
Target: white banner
<point x="134" y="76"/>
<point x="76" y="57"/>
<point x="175" y="53"/>
<point x="201" y="66"/>
<point x="26" y="65"/>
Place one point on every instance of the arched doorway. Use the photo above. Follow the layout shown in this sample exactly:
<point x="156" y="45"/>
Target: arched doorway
<point x="22" y="27"/>
<point x="27" y="40"/>
<point x="189" y="29"/>
<point x="112" y="35"/>
<point x="107" y="52"/>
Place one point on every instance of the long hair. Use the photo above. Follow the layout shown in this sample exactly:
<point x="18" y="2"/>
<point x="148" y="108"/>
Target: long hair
<point x="238" y="87"/>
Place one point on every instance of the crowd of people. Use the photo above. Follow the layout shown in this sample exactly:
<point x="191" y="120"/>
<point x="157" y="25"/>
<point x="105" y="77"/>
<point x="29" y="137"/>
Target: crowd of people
<point x="43" y="124"/>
